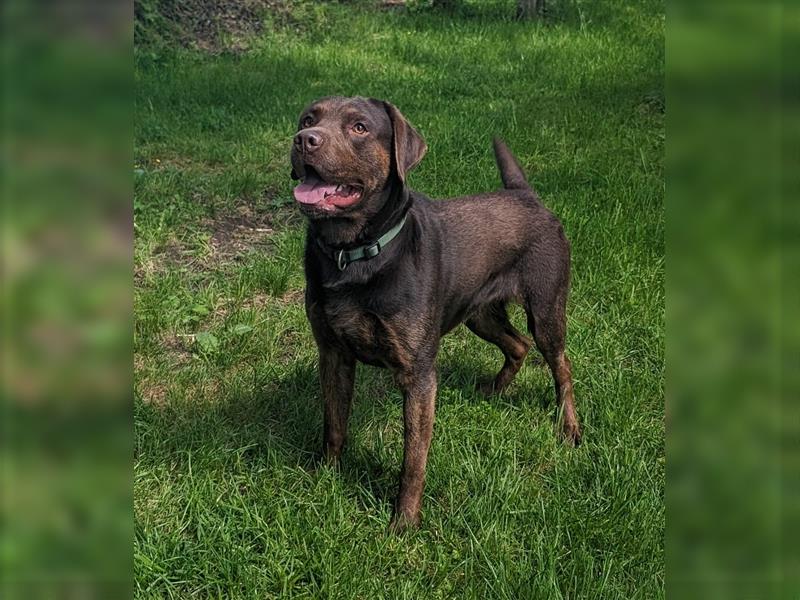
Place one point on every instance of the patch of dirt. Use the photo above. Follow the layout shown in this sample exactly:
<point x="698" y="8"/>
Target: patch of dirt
<point x="262" y="300"/>
<point x="171" y="253"/>
<point x="296" y="296"/>
<point x="235" y="233"/>
<point x="152" y="393"/>
<point x="215" y="25"/>
<point x="177" y="349"/>
<point x="176" y="354"/>
<point x="232" y="235"/>
<point x="246" y="228"/>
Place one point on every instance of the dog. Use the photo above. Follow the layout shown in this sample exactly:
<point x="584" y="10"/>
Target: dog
<point x="389" y="272"/>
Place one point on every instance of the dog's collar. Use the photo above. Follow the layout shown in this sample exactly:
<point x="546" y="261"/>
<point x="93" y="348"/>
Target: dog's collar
<point x="343" y="257"/>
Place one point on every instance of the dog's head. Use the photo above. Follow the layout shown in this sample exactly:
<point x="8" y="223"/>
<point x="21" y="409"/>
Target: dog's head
<point x="347" y="151"/>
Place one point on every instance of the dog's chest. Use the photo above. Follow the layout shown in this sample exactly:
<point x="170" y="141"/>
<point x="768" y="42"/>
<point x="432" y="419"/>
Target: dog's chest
<point x="375" y="337"/>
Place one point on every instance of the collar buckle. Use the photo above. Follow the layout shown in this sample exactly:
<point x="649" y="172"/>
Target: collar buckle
<point x="341" y="261"/>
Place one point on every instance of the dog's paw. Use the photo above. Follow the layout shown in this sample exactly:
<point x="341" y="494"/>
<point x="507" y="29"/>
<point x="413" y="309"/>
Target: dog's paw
<point x="486" y="388"/>
<point x="402" y="523"/>
<point x="572" y="433"/>
<point x="325" y="460"/>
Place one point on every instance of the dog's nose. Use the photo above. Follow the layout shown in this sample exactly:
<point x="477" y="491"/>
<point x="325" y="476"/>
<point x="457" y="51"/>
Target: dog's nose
<point x="308" y="141"/>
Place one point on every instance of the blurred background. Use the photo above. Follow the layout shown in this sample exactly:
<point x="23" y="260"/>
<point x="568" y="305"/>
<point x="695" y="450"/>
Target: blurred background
<point x="65" y="518"/>
<point x="732" y="335"/>
<point x="733" y="493"/>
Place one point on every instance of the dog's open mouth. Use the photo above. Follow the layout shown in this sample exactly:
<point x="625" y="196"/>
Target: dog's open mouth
<point x="316" y="191"/>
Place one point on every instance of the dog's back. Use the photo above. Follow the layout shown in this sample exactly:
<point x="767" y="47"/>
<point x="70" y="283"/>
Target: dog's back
<point x="489" y="235"/>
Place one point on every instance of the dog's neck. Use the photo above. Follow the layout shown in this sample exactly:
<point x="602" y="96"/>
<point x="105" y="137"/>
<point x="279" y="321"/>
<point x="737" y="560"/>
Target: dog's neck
<point x="350" y="231"/>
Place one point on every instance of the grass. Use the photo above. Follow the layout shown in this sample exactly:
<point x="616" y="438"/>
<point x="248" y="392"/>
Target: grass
<point x="227" y="407"/>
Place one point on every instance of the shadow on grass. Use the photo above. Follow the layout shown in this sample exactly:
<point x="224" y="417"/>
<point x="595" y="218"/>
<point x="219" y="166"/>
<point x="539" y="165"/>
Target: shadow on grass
<point x="266" y="423"/>
<point x="263" y="423"/>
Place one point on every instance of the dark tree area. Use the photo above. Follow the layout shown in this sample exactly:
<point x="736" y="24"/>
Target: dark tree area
<point x="530" y="9"/>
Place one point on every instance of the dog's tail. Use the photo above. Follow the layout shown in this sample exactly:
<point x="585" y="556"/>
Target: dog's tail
<point x="510" y="171"/>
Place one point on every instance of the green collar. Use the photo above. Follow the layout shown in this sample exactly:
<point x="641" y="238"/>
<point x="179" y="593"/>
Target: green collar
<point x="342" y="257"/>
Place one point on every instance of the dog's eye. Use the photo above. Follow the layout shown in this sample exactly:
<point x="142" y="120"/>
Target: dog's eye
<point x="307" y="121"/>
<point x="359" y="128"/>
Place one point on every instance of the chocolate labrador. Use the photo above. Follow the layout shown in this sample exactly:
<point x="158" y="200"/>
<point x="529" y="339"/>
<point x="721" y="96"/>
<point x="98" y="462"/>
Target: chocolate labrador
<point x="389" y="272"/>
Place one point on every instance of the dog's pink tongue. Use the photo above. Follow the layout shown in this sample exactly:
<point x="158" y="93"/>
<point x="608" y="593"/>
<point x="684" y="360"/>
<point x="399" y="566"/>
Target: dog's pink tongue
<point x="313" y="191"/>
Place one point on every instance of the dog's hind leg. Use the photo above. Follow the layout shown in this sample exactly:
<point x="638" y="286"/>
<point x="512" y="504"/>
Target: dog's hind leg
<point x="491" y="323"/>
<point x="547" y="324"/>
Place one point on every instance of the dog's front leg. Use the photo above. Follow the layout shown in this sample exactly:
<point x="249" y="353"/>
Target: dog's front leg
<point x="337" y="374"/>
<point x="419" y="392"/>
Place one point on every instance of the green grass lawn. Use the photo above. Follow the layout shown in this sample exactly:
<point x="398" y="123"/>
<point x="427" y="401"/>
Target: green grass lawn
<point x="228" y="502"/>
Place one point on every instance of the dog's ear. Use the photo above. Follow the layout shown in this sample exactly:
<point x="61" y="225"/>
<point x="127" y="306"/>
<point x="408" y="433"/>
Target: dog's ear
<point x="409" y="147"/>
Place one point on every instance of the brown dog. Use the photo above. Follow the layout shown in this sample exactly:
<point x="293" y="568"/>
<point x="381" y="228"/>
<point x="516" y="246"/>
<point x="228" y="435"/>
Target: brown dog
<point x="389" y="272"/>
